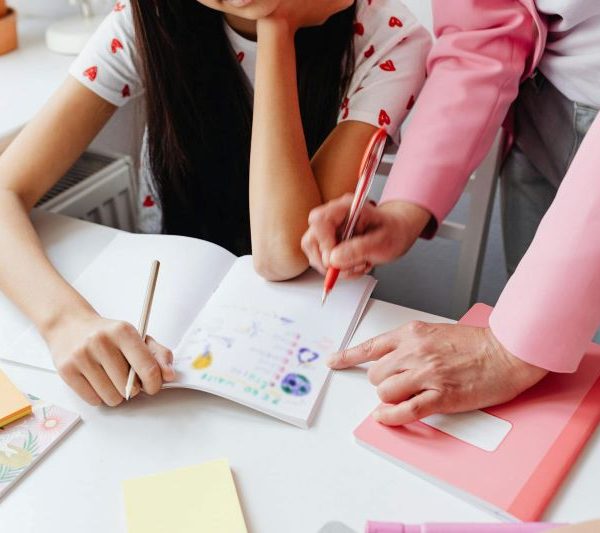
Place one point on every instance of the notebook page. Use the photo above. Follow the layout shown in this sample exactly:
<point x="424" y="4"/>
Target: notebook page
<point x="264" y="344"/>
<point x="115" y="284"/>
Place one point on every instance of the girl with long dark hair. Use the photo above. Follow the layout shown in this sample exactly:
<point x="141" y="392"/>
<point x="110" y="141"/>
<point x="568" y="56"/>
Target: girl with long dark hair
<point x="257" y="111"/>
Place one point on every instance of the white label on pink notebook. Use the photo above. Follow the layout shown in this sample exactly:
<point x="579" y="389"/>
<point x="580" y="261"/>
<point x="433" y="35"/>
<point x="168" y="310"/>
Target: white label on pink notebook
<point x="477" y="428"/>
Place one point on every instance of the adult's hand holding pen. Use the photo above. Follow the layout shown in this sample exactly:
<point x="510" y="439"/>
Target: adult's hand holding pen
<point x="382" y="234"/>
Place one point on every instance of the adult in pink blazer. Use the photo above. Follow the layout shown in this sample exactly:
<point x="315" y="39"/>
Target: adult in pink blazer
<point x="550" y="308"/>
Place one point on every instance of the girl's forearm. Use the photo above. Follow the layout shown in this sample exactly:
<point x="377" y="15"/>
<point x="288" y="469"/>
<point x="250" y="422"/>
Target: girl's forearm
<point x="26" y="275"/>
<point x="283" y="188"/>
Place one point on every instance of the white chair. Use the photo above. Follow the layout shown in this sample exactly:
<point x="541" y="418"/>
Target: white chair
<point x="471" y="234"/>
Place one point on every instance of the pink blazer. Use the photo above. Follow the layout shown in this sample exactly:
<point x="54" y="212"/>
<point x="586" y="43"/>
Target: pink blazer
<point x="550" y="308"/>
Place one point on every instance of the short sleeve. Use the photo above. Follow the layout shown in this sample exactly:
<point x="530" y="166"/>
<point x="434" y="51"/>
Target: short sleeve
<point x="108" y="63"/>
<point x="391" y="49"/>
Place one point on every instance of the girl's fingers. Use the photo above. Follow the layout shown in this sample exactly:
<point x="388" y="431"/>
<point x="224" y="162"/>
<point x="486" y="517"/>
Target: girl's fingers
<point x="110" y="358"/>
<point x="424" y="404"/>
<point x="139" y="356"/>
<point x="83" y="388"/>
<point x="164" y="358"/>
<point x="97" y="378"/>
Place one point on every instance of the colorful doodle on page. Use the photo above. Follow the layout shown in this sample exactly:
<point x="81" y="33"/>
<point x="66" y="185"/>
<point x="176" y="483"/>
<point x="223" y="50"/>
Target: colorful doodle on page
<point x="269" y="360"/>
<point x="202" y="361"/>
<point x="295" y="384"/>
<point x="306" y="355"/>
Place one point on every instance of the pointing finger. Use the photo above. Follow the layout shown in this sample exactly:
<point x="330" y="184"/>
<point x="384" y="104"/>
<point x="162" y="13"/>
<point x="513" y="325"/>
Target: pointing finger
<point x="370" y="350"/>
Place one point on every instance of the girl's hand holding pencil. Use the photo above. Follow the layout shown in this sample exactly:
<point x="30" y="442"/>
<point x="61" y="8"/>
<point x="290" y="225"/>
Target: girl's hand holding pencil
<point x="93" y="356"/>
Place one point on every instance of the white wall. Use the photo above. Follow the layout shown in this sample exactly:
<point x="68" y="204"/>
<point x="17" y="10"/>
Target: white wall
<point x="55" y="8"/>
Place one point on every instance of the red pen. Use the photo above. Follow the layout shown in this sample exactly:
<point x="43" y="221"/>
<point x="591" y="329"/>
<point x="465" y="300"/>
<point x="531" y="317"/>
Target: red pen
<point x="368" y="167"/>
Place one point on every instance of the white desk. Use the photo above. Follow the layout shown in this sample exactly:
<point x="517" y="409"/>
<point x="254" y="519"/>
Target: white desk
<point x="289" y="480"/>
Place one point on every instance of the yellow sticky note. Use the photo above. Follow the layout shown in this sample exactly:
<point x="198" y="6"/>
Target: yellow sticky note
<point x="13" y="404"/>
<point x="196" y="499"/>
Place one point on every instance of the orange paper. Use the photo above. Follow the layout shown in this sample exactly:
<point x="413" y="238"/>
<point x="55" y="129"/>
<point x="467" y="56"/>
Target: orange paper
<point x="13" y="404"/>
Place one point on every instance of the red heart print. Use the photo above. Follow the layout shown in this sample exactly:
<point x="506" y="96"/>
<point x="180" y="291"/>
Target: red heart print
<point x="388" y="66"/>
<point x="359" y="29"/>
<point x="116" y="45"/>
<point x="125" y="92"/>
<point x="345" y="113"/>
<point x="240" y="56"/>
<point x="118" y="7"/>
<point x="370" y="51"/>
<point x="411" y="102"/>
<point x="395" y="21"/>
<point x="91" y="73"/>
<point x="148" y="201"/>
<point x="345" y="103"/>
<point x="384" y="118"/>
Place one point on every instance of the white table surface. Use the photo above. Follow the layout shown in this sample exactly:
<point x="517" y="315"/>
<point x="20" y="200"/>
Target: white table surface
<point x="289" y="480"/>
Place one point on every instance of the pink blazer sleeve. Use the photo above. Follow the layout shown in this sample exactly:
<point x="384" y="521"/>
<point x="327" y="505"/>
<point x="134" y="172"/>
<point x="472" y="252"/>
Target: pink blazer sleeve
<point x="550" y="308"/>
<point x="474" y="70"/>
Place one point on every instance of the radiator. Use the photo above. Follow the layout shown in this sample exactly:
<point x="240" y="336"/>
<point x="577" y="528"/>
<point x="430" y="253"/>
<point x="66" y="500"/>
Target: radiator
<point x="99" y="188"/>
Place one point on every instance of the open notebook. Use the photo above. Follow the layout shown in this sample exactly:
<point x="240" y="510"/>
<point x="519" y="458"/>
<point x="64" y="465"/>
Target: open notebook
<point x="259" y="343"/>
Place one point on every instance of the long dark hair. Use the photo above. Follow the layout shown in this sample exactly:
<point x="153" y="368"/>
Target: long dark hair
<point x="199" y="111"/>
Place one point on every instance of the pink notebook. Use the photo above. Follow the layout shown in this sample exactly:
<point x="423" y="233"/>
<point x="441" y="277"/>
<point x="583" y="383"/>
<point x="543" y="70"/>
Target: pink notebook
<point x="545" y="429"/>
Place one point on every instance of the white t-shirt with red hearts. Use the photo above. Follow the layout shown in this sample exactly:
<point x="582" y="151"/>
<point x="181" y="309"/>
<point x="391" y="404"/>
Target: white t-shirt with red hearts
<point x="390" y="48"/>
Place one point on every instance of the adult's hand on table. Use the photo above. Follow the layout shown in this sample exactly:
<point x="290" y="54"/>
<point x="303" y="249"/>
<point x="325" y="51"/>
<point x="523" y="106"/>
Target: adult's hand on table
<point x="421" y="369"/>
<point x="382" y="234"/>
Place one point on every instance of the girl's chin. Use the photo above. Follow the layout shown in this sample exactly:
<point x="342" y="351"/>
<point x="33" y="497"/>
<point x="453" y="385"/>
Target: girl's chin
<point x="237" y="3"/>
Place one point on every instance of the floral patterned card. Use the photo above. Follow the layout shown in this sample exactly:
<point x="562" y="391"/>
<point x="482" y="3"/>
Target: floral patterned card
<point x="25" y="441"/>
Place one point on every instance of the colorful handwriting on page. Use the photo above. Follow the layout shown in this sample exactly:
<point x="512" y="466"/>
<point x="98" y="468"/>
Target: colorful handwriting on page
<point x="254" y="353"/>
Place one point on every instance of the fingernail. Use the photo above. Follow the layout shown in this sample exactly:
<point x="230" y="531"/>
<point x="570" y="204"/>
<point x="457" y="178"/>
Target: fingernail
<point x="331" y="360"/>
<point x="376" y="416"/>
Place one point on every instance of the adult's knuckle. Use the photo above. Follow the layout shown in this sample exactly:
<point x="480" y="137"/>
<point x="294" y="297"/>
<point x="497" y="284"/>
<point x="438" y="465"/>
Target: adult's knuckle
<point x="415" y="410"/>
<point x="373" y="376"/>
<point x="425" y="350"/>
<point x="316" y="214"/>
<point x="385" y="393"/>
<point x="368" y="346"/>
<point x="344" y="357"/>
<point x="416" y="327"/>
